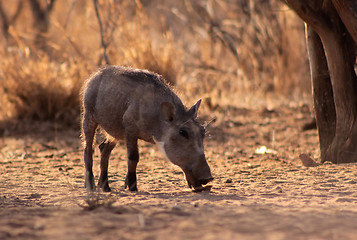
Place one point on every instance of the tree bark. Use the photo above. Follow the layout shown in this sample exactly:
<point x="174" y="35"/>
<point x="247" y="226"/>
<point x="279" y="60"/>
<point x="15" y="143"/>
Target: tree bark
<point x="347" y="11"/>
<point x="343" y="79"/>
<point x="337" y="34"/>
<point x="322" y="91"/>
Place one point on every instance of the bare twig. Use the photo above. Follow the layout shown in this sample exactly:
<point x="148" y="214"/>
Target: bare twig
<point x="8" y="21"/>
<point x="69" y="13"/>
<point x="69" y="38"/>
<point x="41" y="21"/>
<point x="215" y="29"/>
<point x="103" y="43"/>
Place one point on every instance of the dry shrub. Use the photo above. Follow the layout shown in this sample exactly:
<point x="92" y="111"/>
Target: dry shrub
<point x="141" y="53"/>
<point x="135" y="43"/>
<point x="40" y="89"/>
<point x="46" y="85"/>
<point x="96" y="200"/>
<point x="259" y="43"/>
<point x="227" y="52"/>
<point x="249" y="53"/>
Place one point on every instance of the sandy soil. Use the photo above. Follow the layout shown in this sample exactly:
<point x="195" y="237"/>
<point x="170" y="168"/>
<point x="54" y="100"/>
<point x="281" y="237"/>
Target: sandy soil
<point x="264" y="194"/>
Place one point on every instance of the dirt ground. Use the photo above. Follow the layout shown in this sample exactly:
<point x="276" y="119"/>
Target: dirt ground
<point x="261" y="190"/>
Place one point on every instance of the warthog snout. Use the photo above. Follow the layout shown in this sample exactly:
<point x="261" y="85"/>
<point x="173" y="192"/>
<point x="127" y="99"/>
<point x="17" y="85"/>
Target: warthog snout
<point x="198" y="174"/>
<point x="196" y="183"/>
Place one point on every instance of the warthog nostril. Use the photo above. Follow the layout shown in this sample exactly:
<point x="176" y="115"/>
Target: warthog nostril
<point x="205" y="181"/>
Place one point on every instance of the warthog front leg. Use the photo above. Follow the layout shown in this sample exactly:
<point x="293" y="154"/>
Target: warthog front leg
<point x="106" y="148"/>
<point x="89" y="127"/>
<point x="133" y="159"/>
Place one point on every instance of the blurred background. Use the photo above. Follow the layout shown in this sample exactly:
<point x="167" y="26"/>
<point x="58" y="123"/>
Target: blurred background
<point x="240" y="53"/>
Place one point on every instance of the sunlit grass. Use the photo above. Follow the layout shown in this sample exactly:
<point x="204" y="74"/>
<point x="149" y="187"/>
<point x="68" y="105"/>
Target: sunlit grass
<point x="173" y="40"/>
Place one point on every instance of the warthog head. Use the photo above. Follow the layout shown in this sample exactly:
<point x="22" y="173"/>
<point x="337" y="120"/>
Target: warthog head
<point x="182" y="143"/>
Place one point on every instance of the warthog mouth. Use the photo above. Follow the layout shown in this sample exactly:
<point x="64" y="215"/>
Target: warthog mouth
<point x="197" y="187"/>
<point x="196" y="182"/>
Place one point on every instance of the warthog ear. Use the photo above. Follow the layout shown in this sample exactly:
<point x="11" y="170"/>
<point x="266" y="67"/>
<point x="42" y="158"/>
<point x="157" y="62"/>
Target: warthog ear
<point x="167" y="111"/>
<point x="194" y="109"/>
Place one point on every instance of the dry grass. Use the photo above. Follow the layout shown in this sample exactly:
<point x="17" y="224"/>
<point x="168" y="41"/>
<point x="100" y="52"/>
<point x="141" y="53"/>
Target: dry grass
<point x="136" y="45"/>
<point x="95" y="200"/>
<point x="226" y="52"/>
<point x="40" y="89"/>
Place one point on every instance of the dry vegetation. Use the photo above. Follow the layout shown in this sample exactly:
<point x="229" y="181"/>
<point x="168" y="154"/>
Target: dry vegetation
<point x="217" y="50"/>
<point x="245" y="58"/>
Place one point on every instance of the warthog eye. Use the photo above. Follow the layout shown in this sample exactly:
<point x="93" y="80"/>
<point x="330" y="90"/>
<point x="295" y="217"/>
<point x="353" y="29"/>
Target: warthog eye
<point x="183" y="133"/>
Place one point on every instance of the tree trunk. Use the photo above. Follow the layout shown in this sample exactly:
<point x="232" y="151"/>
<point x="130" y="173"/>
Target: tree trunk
<point x="322" y="91"/>
<point x="337" y="132"/>
<point x="343" y="78"/>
